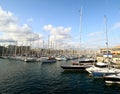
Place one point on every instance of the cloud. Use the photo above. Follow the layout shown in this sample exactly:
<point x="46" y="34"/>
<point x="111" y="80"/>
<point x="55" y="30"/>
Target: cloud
<point x="97" y="36"/>
<point x="13" y="30"/>
<point x="3" y="38"/>
<point x="48" y="27"/>
<point x="58" y="34"/>
<point x="98" y="33"/>
<point x="29" y="20"/>
<point x="62" y="36"/>
<point x="116" y="25"/>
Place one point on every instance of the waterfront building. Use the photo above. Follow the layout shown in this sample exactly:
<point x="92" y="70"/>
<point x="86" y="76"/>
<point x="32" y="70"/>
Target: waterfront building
<point x="113" y="50"/>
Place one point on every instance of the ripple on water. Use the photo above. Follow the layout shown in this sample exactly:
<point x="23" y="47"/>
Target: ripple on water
<point x="17" y="77"/>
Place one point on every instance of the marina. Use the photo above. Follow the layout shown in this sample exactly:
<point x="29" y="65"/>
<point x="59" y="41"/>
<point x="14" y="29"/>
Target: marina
<point x="60" y="47"/>
<point x="49" y="78"/>
<point x="48" y="70"/>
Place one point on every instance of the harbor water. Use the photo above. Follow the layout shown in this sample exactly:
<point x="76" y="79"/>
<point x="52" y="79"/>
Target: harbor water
<point x="19" y="77"/>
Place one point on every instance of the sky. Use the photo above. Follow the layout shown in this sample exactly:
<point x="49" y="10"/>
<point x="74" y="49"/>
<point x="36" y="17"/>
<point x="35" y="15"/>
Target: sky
<point x="37" y="21"/>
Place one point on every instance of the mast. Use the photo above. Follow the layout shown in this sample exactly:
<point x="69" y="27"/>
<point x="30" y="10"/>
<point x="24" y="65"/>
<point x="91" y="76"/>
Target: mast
<point x="105" y="18"/>
<point x="44" y="49"/>
<point x="3" y="50"/>
<point x="15" y="53"/>
<point x="48" y="48"/>
<point x="80" y="29"/>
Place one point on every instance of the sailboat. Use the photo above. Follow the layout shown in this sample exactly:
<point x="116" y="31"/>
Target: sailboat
<point x="30" y="56"/>
<point x="114" y="78"/>
<point x="97" y="66"/>
<point x="50" y="58"/>
<point x="77" y="65"/>
<point x="87" y="60"/>
<point x="98" y="73"/>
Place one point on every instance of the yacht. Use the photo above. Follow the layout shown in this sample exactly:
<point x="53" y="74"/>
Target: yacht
<point x="115" y="78"/>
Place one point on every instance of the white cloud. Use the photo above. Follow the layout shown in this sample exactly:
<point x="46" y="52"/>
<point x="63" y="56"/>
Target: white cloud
<point x="48" y="27"/>
<point x="13" y="30"/>
<point x="29" y="20"/>
<point x="59" y="33"/>
<point x="62" y="36"/>
<point x="98" y="33"/>
<point x="116" y="25"/>
<point x="3" y="38"/>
